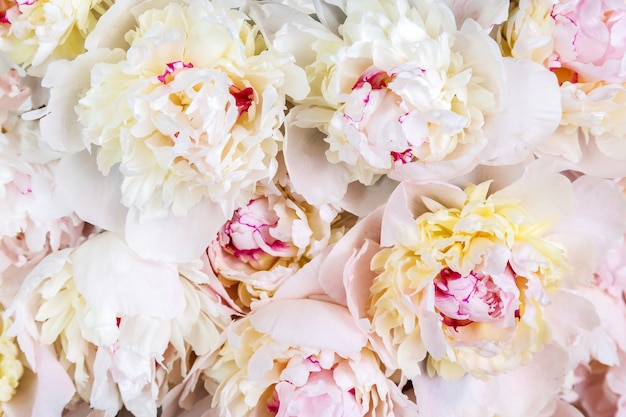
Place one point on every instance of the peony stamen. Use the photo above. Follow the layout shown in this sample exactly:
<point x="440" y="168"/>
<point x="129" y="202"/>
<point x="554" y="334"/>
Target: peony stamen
<point x="243" y="97"/>
<point x="273" y="404"/>
<point x="402" y="157"/>
<point x="5" y="5"/>
<point x="170" y="69"/>
<point x="375" y="77"/>
<point x="462" y="300"/>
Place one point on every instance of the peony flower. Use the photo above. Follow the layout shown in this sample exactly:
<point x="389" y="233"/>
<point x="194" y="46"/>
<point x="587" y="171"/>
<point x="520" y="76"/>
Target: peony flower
<point x="590" y="40"/>
<point x="182" y="134"/>
<point x="582" y="42"/>
<point x="404" y="93"/>
<point x="270" y="239"/>
<point x="124" y="339"/>
<point x="34" y="33"/>
<point x="283" y="359"/>
<point x="196" y="123"/>
<point x="473" y="280"/>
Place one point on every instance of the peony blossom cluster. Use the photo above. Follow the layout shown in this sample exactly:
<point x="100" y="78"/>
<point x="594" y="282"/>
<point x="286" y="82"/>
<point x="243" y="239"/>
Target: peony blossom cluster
<point x="313" y="208"/>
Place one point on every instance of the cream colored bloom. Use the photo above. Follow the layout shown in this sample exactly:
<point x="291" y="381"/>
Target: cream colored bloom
<point x="37" y="32"/>
<point x="476" y="277"/>
<point x="125" y="338"/>
<point x="404" y="88"/>
<point x="186" y="120"/>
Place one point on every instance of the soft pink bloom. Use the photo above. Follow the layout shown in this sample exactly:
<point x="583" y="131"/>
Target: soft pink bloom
<point x="305" y="358"/>
<point x="270" y="239"/>
<point x="589" y="40"/>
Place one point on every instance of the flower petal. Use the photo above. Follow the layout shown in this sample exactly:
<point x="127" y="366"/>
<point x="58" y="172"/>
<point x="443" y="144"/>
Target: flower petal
<point x="310" y="323"/>
<point x="113" y="280"/>
<point x="531" y="111"/>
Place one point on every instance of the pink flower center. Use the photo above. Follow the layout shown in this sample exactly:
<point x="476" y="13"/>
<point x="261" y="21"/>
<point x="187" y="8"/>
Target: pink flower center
<point x="247" y="236"/>
<point x="5" y="5"/>
<point x="243" y="97"/>
<point x="375" y="77"/>
<point x="320" y="395"/>
<point x="171" y="68"/>
<point x="462" y="300"/>
<point x="273" y="404"/>
<point x="402" y="157"/>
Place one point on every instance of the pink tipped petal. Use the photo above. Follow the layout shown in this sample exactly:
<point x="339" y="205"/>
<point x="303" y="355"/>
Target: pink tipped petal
<point x="310" y="323"/>
<point x="459" y="162"/>
<point x="331" y="278"/>
<point x="358" y="279"/>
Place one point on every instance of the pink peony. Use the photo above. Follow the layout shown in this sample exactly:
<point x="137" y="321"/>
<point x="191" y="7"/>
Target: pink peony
<point x="303" y="358"/>
<point x="267" y="241"/>
<point x="589" y="40"/>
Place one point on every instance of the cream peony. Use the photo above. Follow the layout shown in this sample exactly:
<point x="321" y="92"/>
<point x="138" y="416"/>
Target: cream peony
<point x="185" y="122"/>
<point x="474" y="280"/>
<point x="125" y="339"/>
<point x="402" y="92"/>
<point x="36" y="32"/>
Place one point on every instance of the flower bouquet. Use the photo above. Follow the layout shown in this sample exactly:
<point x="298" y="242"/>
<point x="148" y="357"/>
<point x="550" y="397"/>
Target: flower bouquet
<point x="313" y="208"/>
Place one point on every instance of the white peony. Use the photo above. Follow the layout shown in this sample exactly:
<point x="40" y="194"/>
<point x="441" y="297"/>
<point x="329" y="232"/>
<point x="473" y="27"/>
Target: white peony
<point x="125" y="329"/>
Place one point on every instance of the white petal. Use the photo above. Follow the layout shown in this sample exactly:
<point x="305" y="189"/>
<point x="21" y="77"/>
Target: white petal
<point x="95" y="198"/>
<point x="531" y="112"/>
<point x="310" y="323"/>
<point x="174" y="239"/>
<point x="115" y="281"/>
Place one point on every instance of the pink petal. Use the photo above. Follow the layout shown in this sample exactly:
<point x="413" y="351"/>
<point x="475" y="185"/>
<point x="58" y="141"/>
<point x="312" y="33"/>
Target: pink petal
<point x="310" y="323"/>
<point x="331" y="277"/>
